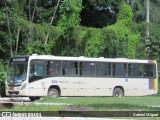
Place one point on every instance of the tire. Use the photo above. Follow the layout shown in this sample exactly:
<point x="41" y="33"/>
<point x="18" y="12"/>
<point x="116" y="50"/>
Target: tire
<point x="37" y="98"/>
<point x="52" y="92"/>
<point x="118" y="92"/>
<point x="32" y="99"/>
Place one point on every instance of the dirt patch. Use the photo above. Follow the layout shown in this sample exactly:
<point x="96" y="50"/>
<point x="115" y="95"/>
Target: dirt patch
<point x="6" y="105"/>
<point x="77" y="108"/>
<point x="76" y="111"/>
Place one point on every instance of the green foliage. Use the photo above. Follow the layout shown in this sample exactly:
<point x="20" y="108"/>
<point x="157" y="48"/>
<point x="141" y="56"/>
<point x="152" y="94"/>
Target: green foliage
<point x="38" y="46"/>
<point x="125" y="15"/>
<point x="2" y="74"/>
<point x="109" y="39"/>
<point x="139" y="10"/>
<point x="21" y="4"/>
<point x="95" y="44"/>
<point x="125" y="43"/>
<point x="70" y="13"/>
<point x="69" y="42"/>
<point x="153" y="43"/>
<point x="2" y="79"/>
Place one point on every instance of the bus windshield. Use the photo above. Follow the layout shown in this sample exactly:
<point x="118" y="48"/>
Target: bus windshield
<point x="17" y="71"/>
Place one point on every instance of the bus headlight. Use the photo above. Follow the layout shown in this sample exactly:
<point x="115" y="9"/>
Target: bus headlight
<point x="23" y="87"/>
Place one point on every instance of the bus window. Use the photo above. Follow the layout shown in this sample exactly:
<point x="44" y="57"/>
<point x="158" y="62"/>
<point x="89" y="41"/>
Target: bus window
<point x="135" y="70"/>
<point x="103" y="69"/>
<point x="119" y="69"/>
<point x="53" y="68"/>
<point x="148" y="70"/>
<point x="17" y="71"/>
<point x="36" y="70"/>
<point x="87" y="69"/>
<point x="70" y="68"/>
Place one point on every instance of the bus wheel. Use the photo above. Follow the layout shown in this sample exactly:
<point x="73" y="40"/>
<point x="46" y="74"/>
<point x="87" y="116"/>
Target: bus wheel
<point x="117" y="92"/>
<point x="52" y="92"/>
<point x="32" y="99"/>
<point x="37" y="98"/>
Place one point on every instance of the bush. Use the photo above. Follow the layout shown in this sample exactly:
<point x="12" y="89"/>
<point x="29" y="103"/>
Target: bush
<point x="2" y="80"/>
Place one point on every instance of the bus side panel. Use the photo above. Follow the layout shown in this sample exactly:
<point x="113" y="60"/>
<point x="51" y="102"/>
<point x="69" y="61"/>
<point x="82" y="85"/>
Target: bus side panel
<point x="92" y="86"/>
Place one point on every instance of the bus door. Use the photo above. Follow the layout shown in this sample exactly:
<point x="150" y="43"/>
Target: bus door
<point x="36" y="78"/>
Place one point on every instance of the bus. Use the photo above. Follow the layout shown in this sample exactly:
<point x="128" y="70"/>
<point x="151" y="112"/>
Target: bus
<point x="46" y="75"/>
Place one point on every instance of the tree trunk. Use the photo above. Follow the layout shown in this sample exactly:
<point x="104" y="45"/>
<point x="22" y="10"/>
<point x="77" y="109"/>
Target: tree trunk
<point x="17" y="41"/>
<point x="31" y="18"/>
<point x="9" y="30"/>
<point x="52" y="21"/>
<point x="35" y="4"/>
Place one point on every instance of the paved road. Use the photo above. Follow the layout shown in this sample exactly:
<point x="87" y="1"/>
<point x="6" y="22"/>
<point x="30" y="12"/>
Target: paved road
<point x="14" y="99"/>
<point x="26" y="101"/>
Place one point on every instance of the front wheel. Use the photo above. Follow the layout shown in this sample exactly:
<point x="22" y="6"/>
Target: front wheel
<point x="118" y="92"/>
<point x="52" y="92"/>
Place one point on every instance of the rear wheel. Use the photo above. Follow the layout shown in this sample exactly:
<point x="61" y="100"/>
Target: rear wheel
<point x="118" y="92"/>
<point x="34" y="98"/>
<point x="52" y="92"/>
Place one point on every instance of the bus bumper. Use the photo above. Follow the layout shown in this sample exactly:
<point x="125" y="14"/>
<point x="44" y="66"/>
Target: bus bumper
<point x="16" y="93"/>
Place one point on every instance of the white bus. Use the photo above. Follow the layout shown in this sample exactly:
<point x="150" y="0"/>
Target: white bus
<point x="45" y="75"/>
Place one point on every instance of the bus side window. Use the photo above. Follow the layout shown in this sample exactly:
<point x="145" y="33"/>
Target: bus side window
<point x="53" y="68"/>
<point x="148" y="70"/>
<point x="87" y="69"/>
<point x="70" y="68"/>
<point x="103" y="69"/>
<point x="135" y="70"/>
<point x="120" y="69"/>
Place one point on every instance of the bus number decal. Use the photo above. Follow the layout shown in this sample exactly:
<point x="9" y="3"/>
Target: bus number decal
<point x="54" y="81"/>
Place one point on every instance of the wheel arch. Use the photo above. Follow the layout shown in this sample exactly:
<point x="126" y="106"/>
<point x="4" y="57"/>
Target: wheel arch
<point x="120" y="88"/>
<point x="55" y="87"/>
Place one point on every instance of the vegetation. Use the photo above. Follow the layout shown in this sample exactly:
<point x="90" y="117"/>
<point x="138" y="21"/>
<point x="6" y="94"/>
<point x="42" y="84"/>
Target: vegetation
<point x="2" y="78"/>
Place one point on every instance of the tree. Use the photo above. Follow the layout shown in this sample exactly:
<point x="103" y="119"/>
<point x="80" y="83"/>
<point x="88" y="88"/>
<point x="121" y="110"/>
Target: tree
<point x="69" y="18"/>
<point x="99" y="13"/>
<point x="125" y="41"/>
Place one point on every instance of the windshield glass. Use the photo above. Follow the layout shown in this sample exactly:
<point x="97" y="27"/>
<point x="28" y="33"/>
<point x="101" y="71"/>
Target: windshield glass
<point x="17" y="70"/>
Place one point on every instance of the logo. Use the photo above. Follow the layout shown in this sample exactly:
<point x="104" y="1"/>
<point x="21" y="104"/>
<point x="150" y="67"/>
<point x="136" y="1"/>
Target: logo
<point x="20" y="114"/>
<point x="6" y="114"/>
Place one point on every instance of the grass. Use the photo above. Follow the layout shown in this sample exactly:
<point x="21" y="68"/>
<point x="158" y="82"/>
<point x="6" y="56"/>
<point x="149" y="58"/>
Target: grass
<point x="95" y="104"/>
<point x="32" y="107"/>
<point x="91" y="100"/>
<point x="80" y="106"/>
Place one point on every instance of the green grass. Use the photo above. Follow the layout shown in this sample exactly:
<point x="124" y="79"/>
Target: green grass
<point x="32" y="107"/>
<point x="81" y="104"/>
<point x="111" y="103"/>
<point x="95" y="104"/>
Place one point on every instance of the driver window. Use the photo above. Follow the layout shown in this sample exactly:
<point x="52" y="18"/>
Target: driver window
<point x="36" y="70"/>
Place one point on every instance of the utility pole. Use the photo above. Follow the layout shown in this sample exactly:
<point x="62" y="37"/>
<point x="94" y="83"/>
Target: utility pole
<point x="147" y="18"/>
<point x="147" y="29"/>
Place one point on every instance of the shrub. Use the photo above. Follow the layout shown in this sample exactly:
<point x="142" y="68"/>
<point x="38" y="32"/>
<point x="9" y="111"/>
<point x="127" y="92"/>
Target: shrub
<point x="2" y="80"/>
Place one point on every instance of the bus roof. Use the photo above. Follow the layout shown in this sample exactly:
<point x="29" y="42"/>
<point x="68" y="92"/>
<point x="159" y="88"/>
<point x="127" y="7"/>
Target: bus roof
<point x="82" y="58"/>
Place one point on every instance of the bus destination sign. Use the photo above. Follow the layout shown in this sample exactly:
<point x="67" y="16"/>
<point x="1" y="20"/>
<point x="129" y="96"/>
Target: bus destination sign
<point x="19" y="59"/>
